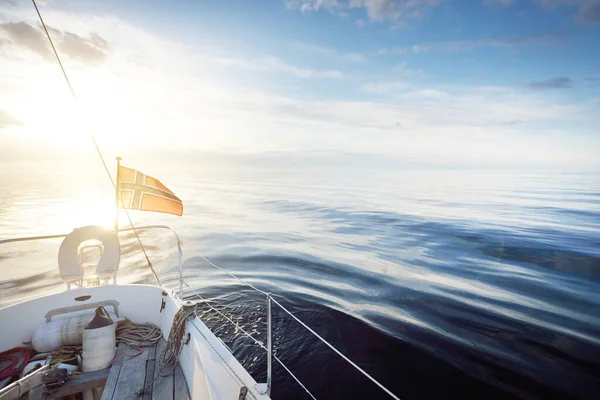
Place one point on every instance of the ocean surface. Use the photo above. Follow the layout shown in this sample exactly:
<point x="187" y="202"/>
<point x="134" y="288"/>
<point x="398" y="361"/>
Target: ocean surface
<point x="439" y="284"/>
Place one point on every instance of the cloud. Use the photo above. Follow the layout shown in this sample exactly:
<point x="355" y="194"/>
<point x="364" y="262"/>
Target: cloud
<point x="383" y="88"/>
<point x="550" y="4"/>
<point x="276" y="65"/>
<point x="501" y="3"/>
<point x="7" y="120"/>
<point x="334" y="54"/>
<point x="590" y="11"/>
<point x="560" y="82"/>
<point x="376" y="10"/>
<point x="556" y="3"/>
<point x="430" y="94"/>
<point x="24" y="35"/>
<point x="92" y="49"/>
<point x="535" y="39"/>
<point x="539" y="39"/>
<point x="393" y="10"/>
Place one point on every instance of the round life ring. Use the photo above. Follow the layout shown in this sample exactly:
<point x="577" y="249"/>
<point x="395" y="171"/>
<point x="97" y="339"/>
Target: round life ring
<point x="68" y="254"/>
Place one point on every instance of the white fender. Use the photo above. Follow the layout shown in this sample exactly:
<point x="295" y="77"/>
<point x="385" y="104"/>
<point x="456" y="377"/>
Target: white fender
<point x="62" y="332"/>
<point x="99" y="341"/>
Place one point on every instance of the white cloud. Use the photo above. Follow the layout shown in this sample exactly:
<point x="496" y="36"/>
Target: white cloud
<point x="329" y="53"/>
<point x="393" y="50"/>
<point x="384" y="87"/>
<point x="432" y="94"/>
<point x="91" y="49"/>
<point x="276" y="65"/>
<point x="588" y="10"/>
<point x="502" y="3"/>
<point x="393" y="10"/>
<point x="376" y="10"/>
<point x="540" y="39"/>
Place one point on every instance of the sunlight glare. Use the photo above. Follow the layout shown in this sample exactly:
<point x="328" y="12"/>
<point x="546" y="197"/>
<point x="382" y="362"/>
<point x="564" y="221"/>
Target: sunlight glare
<point x="92" y="208"/>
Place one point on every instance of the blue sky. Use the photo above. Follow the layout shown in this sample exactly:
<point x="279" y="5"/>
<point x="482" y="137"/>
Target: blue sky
<point x="478" y="83"/>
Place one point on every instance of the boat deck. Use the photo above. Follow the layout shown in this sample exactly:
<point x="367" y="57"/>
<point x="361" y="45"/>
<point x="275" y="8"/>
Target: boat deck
<point x="130" y="374"/>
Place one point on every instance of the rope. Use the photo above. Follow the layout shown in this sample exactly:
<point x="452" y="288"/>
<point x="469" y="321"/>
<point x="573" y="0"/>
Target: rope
<point x="64" y="354"/>
<point x="62" y="68"/>
<point x="138" y="335"/>
<point x="15" y="365"/>
<point x="54" y="50"/>
<point x="169" y="355"/>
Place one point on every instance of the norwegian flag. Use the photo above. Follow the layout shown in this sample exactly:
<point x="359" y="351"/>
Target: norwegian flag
<point x="138" y="191"/>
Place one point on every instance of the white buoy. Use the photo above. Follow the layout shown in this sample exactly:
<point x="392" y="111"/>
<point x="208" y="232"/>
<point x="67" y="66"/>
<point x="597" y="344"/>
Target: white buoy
<point x="62" y="332"/>
<point x="99" y="343"/>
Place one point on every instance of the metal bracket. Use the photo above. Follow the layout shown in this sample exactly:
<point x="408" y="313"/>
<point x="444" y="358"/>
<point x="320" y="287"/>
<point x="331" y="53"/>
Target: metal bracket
<point x="53" y="378"/>
<point x="186" y="338"/>
<point x="163" y="304"/>
<point x="261" y="388"/>
<point x="243" y="392"/>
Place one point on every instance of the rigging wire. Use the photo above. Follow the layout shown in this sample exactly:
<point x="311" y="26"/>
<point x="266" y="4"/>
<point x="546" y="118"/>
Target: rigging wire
<point x="348" y="360"/>
<point x="62" y="68"/>
<point x="258" y="343"/>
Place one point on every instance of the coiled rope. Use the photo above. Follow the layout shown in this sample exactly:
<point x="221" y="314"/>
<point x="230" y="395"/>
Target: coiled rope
<point x="64" y="354"/>
<point x="138" y="335"/>
<point x="168" y="357"/>
<point x="16" y="358"/>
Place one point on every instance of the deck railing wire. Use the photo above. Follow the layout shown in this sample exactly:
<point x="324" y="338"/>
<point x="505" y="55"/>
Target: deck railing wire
<point x="271" y="300"/>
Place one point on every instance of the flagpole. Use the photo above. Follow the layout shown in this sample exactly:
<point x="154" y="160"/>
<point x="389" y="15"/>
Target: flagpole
<point x="117" y="196"/>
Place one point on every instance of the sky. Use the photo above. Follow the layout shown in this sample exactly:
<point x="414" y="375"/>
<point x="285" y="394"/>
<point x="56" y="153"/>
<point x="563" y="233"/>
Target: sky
<point x="476" y="84"/>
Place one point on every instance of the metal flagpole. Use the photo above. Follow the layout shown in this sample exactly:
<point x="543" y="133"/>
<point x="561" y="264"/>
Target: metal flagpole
<point x="117" y="196"/>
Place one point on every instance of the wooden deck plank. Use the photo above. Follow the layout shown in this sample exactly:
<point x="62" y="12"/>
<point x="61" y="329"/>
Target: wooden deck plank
<point x="180" y="386"/>
<point x="111" y="382"/>
<point x="152" y="352"/>
<point x="130" y="353"/>
<point x="163" y="386"/>
<point x="129" y="375"/>
<point x="113" y="375"/>
<point x="131" y="380"/>
<point x="149" y="382"/>
<point x="121" y="351"/>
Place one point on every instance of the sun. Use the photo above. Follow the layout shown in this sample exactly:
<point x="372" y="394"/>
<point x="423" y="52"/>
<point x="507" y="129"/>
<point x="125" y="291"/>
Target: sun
<point x="91" y="208"/>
